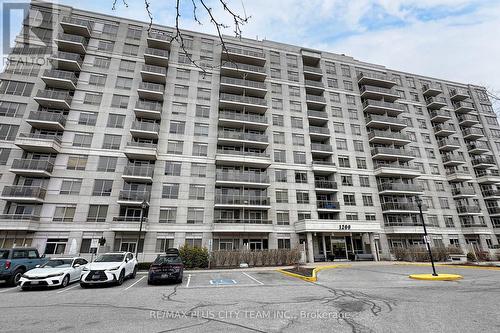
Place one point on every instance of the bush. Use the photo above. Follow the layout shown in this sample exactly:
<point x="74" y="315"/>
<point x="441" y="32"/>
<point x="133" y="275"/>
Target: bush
<point x="194" y="257"/>
<point x="471" y="256"/>
<point x="273" y="257"/>
<point x="483" y="256"/>
<point x="420" y="253"/>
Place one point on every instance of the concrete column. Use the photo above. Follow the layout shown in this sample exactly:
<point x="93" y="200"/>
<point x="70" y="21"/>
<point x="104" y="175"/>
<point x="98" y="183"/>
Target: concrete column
<point x="384" y="247"/>
<point x="272" y="240"/>
<point x="310" y="249"/>
<point x="323" y="241"/>
<point x="373" y="248"/>
<point x="482" y="242"/>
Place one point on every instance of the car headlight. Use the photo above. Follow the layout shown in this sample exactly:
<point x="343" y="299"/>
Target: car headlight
<point x="85" y="269"/>
<point x="113" y="269"/>
<point x="54" y="275"/>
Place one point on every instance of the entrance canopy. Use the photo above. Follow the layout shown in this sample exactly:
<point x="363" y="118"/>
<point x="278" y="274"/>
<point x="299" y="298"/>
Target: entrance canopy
<point x="336" y="226"/>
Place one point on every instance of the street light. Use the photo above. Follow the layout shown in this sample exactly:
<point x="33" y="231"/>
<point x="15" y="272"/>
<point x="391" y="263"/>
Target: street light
<point x="144" y="205"/>
<point x="426" y="237"/>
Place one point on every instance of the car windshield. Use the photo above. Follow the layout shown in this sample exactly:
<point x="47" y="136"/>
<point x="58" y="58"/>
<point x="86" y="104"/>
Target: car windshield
<point x="168" y="260"/>
<point x="58" y="263"/>
<point x="109" y="258"/>
<point x="4" y="254"/>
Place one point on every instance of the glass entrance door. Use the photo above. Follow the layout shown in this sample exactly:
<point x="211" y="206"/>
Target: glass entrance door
<point x="339" y="247"/>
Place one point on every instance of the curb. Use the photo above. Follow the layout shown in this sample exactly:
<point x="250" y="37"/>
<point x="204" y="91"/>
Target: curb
<point x="439" y="277"/>
<point x="315" y="272"/>
<point x="452" y="266"/>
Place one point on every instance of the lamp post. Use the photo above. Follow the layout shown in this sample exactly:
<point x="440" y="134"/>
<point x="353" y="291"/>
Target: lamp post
<point x="426" y="237"/>
<point x="144" y="205"/>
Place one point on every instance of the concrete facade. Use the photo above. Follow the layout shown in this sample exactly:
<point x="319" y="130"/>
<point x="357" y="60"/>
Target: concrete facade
<point x="274" y="146"/>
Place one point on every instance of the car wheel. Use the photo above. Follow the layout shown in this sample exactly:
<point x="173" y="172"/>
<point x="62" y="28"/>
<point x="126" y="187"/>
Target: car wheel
<point x="65" y="281"/>
<point x="179" y="279"/>
<point x="134" y="273"/>
<point x="150" y="282"/>
<point x="121" y="278"/>
<point x="24" y="288"/>
<point x="16" y="277"/>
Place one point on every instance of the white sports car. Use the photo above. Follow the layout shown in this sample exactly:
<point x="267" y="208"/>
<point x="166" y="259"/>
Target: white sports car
<point x="109" y="268"/>
<point x="57" y="272"/>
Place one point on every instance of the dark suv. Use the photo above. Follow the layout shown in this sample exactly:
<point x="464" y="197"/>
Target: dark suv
<point x="166" y="267"/>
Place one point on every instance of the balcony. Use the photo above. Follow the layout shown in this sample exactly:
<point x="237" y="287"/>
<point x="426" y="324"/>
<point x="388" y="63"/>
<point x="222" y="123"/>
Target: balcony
<point x="491" y="194"/>
<point x="156" y="57"/>
<point x="401" y="207"/>
<point x="148" y="109"/>
<point x="239" y="102"/>
<point x="24" y="194"/>
<point x="314" y="85"/>
<point x="494" y="211"/>
<point x="391" y="154"/>
<point x="399" y="188"/>
<point x="159" y="40"/>
<point x="463" y="107"/>
<point x="447" y="145"/>
<point x="240" y="54"/>
<point x="467" y="120"/>
<point x="76" y="26"/>
<point x="327" y="206"/>
<point x="323" y="167"/>
<point x="381" y="108"/>
<point x="321" y="149"/>
<point x="319" y="133"/>
<point x="72" y="43"/>
<point x="238" y="119"/>
<point x="457" y="176"/>
<point x="138" y="173"/>
<point x="472" y="133"/>
<point x="53" y="99"/>
<point x="384" y="122"/>
<point x="452" y="160"/>
<point x="141" y="151"/>
<point x="32" y="168"/>
<point x="468" y="210"/>
<point x="237" y="86"/>
<point x="375" y="79"/>
<point x="312" y="72"/>
<point x="478" y="147"/>
<point x="458" y="95"/>
<point x="59" y="79"/>
<point x="315" y="101"/>
<point x="19" y="222"/>
<point x="317" y="117"/>
<point x="238" y="157"/>
<point x="440" y="116"/>
<point x="154" y="74"/>
<point x="145" y="130"/>
<point x="129" y="224"/>
<point x="132" y="197"/>
<point x="431" y="90"/>
<point x="250" y="72"/>
<point x="237" y="225"/>
<point x="67" y="61"/>
<point x="396" y="170"/>
<point x="322" y="185"/>
<point x="435" y="103"/>
<point x="388" y="137"/>
<point x="44" y="120"/>
<point x="151" y="91"/>
<point x="242" y="178"/>
<point x="487" y="177"/>
<point x="444" y="130"/>
<point x="242" y="201"/>
<point x="378" y="93"/>
<point x="248" y="139"/>
<point x="39" y="143"/>
<point x="463" y="192"/>
<point x="483" y="162"/>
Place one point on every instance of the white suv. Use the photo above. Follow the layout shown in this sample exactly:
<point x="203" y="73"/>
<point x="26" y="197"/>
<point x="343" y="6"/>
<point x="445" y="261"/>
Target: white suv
<point x="109" y="268"/>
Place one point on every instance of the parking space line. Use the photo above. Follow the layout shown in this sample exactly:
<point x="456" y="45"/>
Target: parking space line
<point x="188" y="281"/>
<point x="4" y="290"/>
<point x="67" y="288"/>
<point x="254" y="279"/>
<point x="133" y="284"/>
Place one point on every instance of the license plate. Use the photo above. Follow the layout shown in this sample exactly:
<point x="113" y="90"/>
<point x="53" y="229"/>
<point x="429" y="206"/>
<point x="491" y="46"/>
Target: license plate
<point x="34" y="282"/>
<point x="164" y="276"/>
<point x="95" y="277"/>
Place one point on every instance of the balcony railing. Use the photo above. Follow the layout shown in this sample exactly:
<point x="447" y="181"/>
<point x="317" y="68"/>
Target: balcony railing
<point x="244" y="67"/>
<point x="396" y="166"/>
<point x="319" y="130"/>
<point x="452" y="172"/>
<point x="62" y="75"/>
<point x="386" y="91"/>
<point x="473" y="225"/>
<point x="431" y="86"/>
<point x="321" y="147"/>
<point x="154" y="69"/>
<point x="156" y="52"/>
<point x="156" y="87"/>
<point x="440" y="113"/>
<point x="69" y="56"/>
<point x="132" y="195"/>
<point x="145" y="126"/>
<point x="315" y="98"/>
<point x="478" y="145"/>
<point x="245" y="52"/>
<point x="243" y="221"/>
<point x="317" y="114"/>
<point x="242" y="82"/>
<point x="402" y="206"/>
<point x="468" y="117"/>
<point x="159" y="35"/>
<point x="468" y="190"/>
<point x="382" y="104"/>
<point x="444" y="127"/>
<point x="377" y="76"/>
<point x="247" y="117"/>
<point x="40" y="136"/>
<point x="135" y="144"/>
<point x="20" y="217"/>
<point x="246" y="200"/>
<point x="453" y="157"/>
<point x="45" y="116"/>
<point x="399" y="187"/>
<point x="491" y="193"/>
<point x="439" y="100"/>
<point x="242" y="176"/>
<point x="138" y="171"/>
<point x="54" y="94"/>
<point x="243" y="99"/>
<point x="77" y="21"/>
<point x="487" y="173"/>
<point x="388" y="134"/>
<point x="313" y="83"/>
<point x="149" y="105"/>
<point x="463" y="104"/>
<point x="385" y="119"/>
<point x="327" y="204"/>
<point x="242" y="153"/>
<point x="468" y="209"/>
<point x="446" y="142"/>
<point x="129" y="219"/>
<point x="242" y="136"/>
<point x="30" y="164"/>
<point x="483" y="160"/>
<point x="472" y="131"/>
<point x="325" y="184"/>
<point x="73" y="39"/>
<point x="20" y="191"/>
<point x="392" y="151"/>
<point x="312" y="69"/>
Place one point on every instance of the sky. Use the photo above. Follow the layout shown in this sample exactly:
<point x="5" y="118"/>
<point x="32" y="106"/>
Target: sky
<point x="450" y="39"/>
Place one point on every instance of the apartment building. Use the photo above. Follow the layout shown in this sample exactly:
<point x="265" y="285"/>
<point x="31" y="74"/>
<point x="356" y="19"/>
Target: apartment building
<point x="271" y="146"/>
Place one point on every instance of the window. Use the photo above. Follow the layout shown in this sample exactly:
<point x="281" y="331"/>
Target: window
<point x="12" y="109"/>
<point x="134" y="32"/>
<point x="200" y="129"/>
<point x="280" y="175"/>
<point x="295" y="106"/>
<point x="181" y="91"/>
<point x="181" y="108"/>
<point x="367" y="200"/>
<point x="173" y="168"/>
<point x="127" y="66"/>
<point x="282" y="217"/>
<point x="346" y="180"/>
<point x="97" y="213"/>
<point x="348" y="85"/>
<point x="338" y="128"/>
<point x="332" y="83"/>
<point x="276" y="88"/>
<point x="346" y="71"/>
<point x="193" y="239"/>
<point x="102" y="187"/>
<point x="358" y="145"/>
<point x="302" y="197"/>
<point x="76" y="162"/>
<point x="82" y="140"/>
<point x="304" y="215"/>
<point x="281" y="196"/>
<point x="119" y="101"/>
<point x="107" y="163"/>
<point x="111" y="141"/>
<point x="297" y="122"/>
<point x="439" y="185"/>
<point x="351" y="100"/>
<point x="174" y="147"/>
<point x="341" y="144"/>
<point x="102" y="62"/>
<point x="294" y="91"/>
<point x="361" y="162"/>
<point x="123" y="83"/>
<point x="170" y="191"/>
<point x="353" y="114"/>
<point x="370" y="217"/>
<point x="351" y="216"/>
<point x="64" y="214"/>
<point x="279" y="137"/>
<point x="364" y="181"/>
<point x="349" y="199"/>
<point x="204" y="94"/>
<point x="355" y="129"/>
<point x="301" y="177"/>
<point x="275" y="73"/>
<point x="71" y="186"/>
<point x="426" y="138"/>
<point x="444" y="203"/>
<point x="164" y="242"/>
<point x="130" y="49"/>
<point x="168" y="215"/>
<point x="195" y="215"/>
<point x="278" y="120"/>
<point x="334" y="97"/>
<point x="434" y="169"/>
<point x="183" y="74"/>
<point x="196" y="192"/>
<point x="198" y="170"/>
<point x="116" y="120"/>
<point x="277" y="104"/>
<point x="8" y="132"/>
<point x="16" y="88"/>
<point x="344" y="162"/>
<point x="4" y="156"/>
<point x="279" y="156"/>
<point x="97" y="80"/>
<point x="299" y="157"/>
<point x="422" y="124"/>
<point x="201" y="111"/>
<point x="298" y="140"/>
<point x="87" y="118"/>
<point x="177" y="127"/>
<point x="92" y="99"/>
<point x="200" y="149"/>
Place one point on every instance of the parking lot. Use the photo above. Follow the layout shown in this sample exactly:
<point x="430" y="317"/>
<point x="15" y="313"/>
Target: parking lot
<point x="361" y="298"/>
